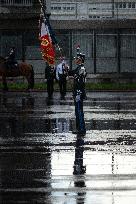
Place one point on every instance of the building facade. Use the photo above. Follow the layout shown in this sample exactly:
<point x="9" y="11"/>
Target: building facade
<point x="105" y="30"/>
<point x="93" y="9"/>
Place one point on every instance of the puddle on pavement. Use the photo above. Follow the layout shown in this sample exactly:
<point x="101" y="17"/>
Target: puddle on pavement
<point x="42" y="161"/>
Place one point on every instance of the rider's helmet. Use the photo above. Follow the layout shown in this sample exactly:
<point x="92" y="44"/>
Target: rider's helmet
<point x="12" y="49"/>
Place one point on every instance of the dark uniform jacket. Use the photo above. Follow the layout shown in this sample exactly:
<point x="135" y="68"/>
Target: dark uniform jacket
<point x="79" y="75"/>
<point x="49" y="73"/>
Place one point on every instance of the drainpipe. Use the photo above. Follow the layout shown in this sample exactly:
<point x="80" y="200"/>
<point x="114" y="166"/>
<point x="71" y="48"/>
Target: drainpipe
<point x="112" y="8"/>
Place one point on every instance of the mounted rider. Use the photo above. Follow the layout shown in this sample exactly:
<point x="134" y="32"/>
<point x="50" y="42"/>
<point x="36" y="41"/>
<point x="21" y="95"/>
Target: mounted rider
<point x="11" y="59"/>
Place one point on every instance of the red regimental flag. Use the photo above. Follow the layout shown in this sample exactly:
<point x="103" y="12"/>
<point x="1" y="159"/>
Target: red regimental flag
<point x="47" y="48"/>
<point x="45" y="42"/>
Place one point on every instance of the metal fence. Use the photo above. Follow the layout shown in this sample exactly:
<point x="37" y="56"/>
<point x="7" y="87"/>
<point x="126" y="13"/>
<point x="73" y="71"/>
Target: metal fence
<point x="106" y="52"/>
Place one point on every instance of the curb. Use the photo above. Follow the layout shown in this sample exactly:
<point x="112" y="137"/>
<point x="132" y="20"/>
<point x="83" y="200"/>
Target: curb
<point x="93" y="90"/>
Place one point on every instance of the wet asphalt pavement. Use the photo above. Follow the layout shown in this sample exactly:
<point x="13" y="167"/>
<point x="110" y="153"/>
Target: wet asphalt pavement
<point x="39" y="151"/>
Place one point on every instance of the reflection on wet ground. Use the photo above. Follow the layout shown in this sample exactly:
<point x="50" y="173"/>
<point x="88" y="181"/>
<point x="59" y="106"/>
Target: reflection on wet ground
<point x="42" y="161"/>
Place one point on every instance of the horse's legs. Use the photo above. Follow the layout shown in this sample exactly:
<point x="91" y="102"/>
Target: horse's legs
<point x="29" y="83"/>
<point x="30" y="80"/>
<point x="4" y="82"/>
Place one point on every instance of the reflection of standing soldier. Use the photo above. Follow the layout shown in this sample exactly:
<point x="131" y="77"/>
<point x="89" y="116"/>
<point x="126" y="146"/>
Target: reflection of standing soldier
<point x="50" y="75"/>
<point x="79" y="93"/>
<point x="79" y="168"/>
<point x="61" y="75"/>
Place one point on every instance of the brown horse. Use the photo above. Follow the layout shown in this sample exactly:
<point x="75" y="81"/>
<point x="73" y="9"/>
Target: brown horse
<point x="23" y="69"/>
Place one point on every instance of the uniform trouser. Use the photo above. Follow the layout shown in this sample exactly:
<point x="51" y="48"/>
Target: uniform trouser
<point x="50" y="88"/>
<point x="80" y="123"/>
<point x="62" y="85"/>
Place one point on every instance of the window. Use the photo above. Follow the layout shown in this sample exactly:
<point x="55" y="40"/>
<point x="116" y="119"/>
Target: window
<point x="17" y="2"/>
<point x="32" y="45"/>
<point x="124" y="5"/>
<point x="129" y="5"/>
<point x="55" y="8"/>
<point x="94" y="16"/>
<point x="9" y="39"/>
<point x="133" y="5"/>
<point x="68" y="8"/>
<point x="120" y="5"/>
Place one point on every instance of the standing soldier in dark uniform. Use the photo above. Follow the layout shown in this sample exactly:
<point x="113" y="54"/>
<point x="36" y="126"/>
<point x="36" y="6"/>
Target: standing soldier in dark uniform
<point x="61" y="75"/>
<point x="79" y="93"/>
<point x="50" y="76"/>
<point x="10" y="60"/>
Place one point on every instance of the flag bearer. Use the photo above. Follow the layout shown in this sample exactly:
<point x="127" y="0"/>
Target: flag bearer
<point x="50" y="76"/>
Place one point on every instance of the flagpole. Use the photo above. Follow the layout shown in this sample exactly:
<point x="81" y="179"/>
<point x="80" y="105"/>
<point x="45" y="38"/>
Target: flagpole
<point x="42" y="3"/>
<point x="43" y="8"/>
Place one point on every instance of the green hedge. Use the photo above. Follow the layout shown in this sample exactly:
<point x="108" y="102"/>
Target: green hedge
<point x="89" y="86"/>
